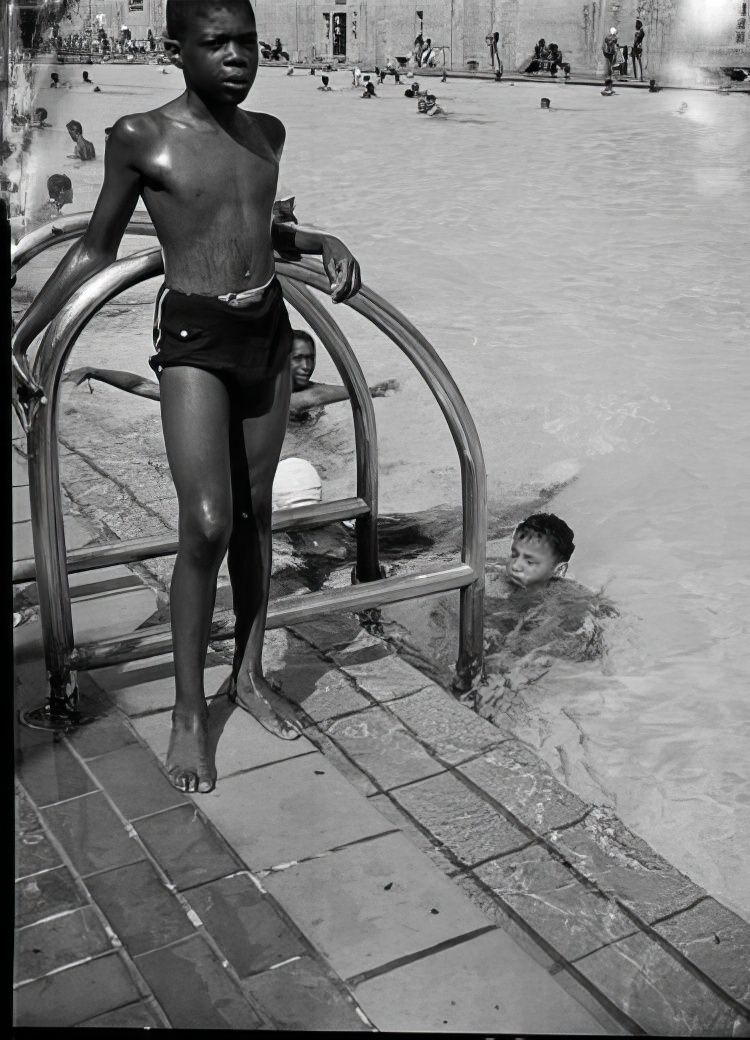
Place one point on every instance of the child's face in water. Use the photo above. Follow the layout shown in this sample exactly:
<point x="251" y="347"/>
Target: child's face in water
<point x="532" y="563"/>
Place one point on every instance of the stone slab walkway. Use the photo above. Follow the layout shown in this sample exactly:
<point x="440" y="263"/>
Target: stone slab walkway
<point x="404" y="865"/>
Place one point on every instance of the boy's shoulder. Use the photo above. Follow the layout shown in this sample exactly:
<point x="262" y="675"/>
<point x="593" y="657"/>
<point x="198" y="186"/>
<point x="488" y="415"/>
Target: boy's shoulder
<point x="271" y="126"/>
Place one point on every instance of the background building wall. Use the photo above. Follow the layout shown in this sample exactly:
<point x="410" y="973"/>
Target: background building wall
<point x="680" y="34"/>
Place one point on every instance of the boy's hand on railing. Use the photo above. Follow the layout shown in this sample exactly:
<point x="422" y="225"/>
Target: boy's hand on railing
<point x="28" y="395"/>
<point x="342" y="269"/>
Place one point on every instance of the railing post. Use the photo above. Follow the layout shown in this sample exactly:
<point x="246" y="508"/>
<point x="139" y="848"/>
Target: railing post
<point x="365" y="431"/>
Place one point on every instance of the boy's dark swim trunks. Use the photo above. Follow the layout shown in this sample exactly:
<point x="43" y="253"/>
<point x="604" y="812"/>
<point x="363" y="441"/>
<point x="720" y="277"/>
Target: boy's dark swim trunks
<point x="245" y="346"/>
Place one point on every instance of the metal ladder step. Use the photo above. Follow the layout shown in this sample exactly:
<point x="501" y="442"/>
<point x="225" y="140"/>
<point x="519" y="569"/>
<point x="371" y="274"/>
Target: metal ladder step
<point x="286" y="610"/>
<point x="92" y="557"/>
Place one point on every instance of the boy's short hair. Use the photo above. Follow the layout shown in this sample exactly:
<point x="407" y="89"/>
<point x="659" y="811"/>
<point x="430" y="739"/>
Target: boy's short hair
<point x="181" y="12"/>
<point x="58" y="183"/>
<point x="75" y="125"/>
<point x="303" y="334"/>
<point x="551" y="529"/>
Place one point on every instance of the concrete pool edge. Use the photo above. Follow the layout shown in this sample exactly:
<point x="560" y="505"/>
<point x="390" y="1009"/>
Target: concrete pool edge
<point x="570" y="874"/>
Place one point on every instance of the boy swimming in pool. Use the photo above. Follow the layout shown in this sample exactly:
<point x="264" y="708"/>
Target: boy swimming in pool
<point x="541" y="548"/>
<point x="222" y="340"/>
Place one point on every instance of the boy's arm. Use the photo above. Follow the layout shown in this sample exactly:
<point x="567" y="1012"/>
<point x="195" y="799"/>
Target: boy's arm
<point x="127" y="381"/>
<point x="341" y="267"/>
<point x="91" y="254"/>
<point x="328" y="393"/>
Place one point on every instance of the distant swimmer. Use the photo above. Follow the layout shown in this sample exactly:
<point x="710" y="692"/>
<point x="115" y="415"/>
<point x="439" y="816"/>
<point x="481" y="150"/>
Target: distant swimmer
<point x="432" y="108"/>
<point x="86" y="79"/>
<point x="60" y="191"/>
<point x="369" y="91"/>
<point x="608" y="90"/>
<point x="544" y="103"/>
<point x="54" y="81"/>
<point x="165" y="72"/>
<point x="84" y="149"/>
<point x="40" y="118"/>
<point x="652" y="87"/>
<point x="290" y="70"/>
<point x="683" y="108"/>
<point x="325" y="86"/>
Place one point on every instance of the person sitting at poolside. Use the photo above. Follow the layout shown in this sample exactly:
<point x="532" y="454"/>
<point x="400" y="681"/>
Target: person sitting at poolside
<point x="84" y="149"/>
<point x="325" y="85"/>
<point x="369" y="91"/>
<point x="306" y="395"/>
<point x="556" y="61"/>
<point x="540" y="54"/>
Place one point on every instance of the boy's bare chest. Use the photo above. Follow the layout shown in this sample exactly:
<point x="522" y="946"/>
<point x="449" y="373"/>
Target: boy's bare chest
<point x="204" y="170"/>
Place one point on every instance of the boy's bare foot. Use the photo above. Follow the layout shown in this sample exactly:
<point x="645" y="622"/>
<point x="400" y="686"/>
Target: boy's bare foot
<point x="189" y="764"/>
<point x="253" y="698"/>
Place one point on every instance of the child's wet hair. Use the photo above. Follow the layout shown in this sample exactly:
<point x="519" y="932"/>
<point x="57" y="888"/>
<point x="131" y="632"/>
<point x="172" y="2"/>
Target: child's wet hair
<point x="551" y="529"/>
<point x="74" y="125"/>
<point x="180" y="13"/>
<point x="58" y="183"/>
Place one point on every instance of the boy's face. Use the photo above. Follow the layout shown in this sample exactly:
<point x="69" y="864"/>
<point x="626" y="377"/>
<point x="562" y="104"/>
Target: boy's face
<point x="218" y="52"/>
<point x="533" y="562"/>
<point x="74" y="133"/>
<point x="302" y="363"/>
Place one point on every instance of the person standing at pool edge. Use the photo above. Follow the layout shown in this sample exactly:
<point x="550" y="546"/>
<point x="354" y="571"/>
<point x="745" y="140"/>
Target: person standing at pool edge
<point x="222" y="338"/>
<point x="637" y="51"/>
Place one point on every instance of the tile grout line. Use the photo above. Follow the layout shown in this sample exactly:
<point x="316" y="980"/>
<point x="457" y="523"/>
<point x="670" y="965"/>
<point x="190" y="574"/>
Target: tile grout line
<point x="419" y="955"/>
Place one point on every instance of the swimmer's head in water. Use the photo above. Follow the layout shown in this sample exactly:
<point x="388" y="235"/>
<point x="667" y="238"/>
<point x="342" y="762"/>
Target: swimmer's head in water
<point x="85" y="76"/>
<point x="302" y="359"/>
<point x="544" y="103"/>
<point x="325" y="80"/>
<point x="74" y="128"/>
<point x="40" y="114"/>
<point x="59" y="189"/>
<point x="542" y="545"/>
<point x="215" y="44"/>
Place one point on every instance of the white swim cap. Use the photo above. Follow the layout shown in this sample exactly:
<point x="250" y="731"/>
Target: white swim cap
<point x="297" y="483"/>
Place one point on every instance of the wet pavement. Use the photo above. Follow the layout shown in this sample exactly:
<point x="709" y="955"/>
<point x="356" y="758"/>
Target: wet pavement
<point x="404" y="865"/>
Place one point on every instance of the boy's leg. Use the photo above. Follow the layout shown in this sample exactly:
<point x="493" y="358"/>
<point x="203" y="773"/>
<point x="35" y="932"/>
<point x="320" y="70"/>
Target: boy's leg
<point x="195" y="419"/>
<point x="250" y="556"/>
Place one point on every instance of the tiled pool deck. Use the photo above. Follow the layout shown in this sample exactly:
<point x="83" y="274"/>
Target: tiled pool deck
<point x="405" y="865"/>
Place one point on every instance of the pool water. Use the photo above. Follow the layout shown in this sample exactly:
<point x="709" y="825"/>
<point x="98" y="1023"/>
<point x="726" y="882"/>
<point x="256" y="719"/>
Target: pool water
<point x="583" y="272"/>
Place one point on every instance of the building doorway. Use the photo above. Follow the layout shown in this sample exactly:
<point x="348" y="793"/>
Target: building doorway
<point x="339" y="35"/>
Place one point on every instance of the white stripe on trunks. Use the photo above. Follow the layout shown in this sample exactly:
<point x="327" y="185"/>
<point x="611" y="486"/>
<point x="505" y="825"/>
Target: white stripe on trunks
<point x="157" y="321"/>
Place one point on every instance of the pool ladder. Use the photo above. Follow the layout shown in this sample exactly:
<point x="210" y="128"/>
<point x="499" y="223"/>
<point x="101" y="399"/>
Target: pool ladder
<point x="51" y="563"/>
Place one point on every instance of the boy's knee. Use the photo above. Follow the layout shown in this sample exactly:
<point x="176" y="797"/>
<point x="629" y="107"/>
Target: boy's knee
<point x="206" y="530"/>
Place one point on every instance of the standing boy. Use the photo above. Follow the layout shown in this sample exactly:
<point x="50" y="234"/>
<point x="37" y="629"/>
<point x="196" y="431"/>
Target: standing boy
<point x="222" y="339"/>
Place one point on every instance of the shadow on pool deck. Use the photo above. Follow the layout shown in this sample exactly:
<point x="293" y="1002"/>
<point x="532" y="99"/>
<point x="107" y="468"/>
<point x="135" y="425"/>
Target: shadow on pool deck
<point x="405" y="865"/>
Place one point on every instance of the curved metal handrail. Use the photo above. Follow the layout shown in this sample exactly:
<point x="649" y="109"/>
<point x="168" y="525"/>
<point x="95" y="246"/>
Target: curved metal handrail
<point x="47" y="518"/>
<point x="463" y="430"/>
<point x="63" y="230"/>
